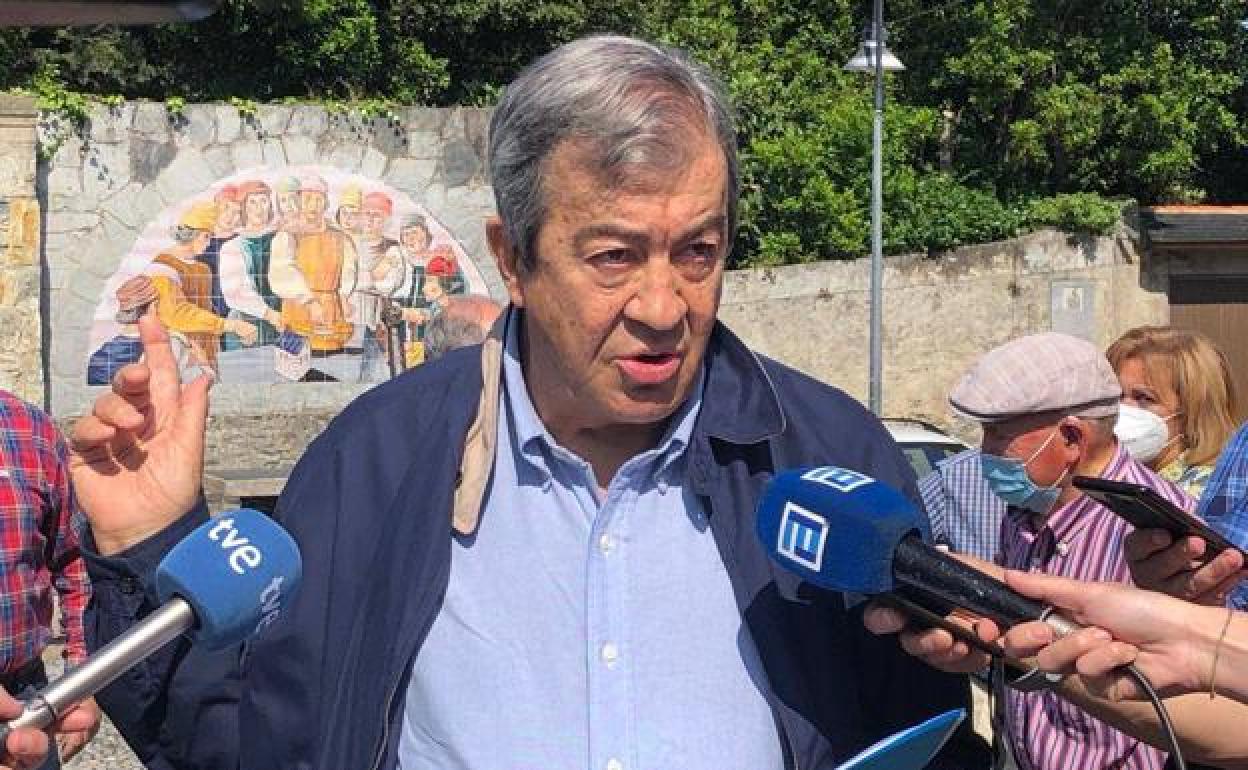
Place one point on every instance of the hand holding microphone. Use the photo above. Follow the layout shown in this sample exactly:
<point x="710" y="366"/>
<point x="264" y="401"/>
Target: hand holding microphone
<point x="847" y="532"/>
<point x="225" y="581"/>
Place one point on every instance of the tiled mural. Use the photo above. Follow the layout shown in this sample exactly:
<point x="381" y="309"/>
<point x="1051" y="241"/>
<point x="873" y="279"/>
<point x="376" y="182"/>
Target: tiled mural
<point x="287" y="274"/>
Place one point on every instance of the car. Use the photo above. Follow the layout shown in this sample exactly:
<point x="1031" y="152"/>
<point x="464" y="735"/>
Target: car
<point x="922" y="443"/>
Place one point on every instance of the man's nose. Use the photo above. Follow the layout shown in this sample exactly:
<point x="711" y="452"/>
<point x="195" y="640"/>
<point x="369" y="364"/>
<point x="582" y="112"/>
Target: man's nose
<point x="658" y="302"/>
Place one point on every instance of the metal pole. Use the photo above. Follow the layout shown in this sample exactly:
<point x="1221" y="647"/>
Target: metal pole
<point x="875" y="393"/>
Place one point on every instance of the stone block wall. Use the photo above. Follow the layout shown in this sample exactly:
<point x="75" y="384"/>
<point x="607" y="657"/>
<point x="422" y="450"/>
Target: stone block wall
<point x="113" y="193"/>
<point x="65" y="231"/>
<point x="21" y="362"/>
<point x="940" y="314"/>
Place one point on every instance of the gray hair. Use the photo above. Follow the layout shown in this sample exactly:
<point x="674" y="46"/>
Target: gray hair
<point x="184" y="234"/>
<point x="450" y="331"/>
<point x="632" y="103"/>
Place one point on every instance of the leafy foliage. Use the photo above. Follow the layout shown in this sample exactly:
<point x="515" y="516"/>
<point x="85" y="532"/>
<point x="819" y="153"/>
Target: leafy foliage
<point x="1012" y="114"/>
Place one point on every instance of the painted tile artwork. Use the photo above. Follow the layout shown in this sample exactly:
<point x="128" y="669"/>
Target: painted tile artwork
<point x="297" y="274"/>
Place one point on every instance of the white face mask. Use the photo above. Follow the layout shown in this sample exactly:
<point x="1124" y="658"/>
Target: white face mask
<point x="1143" y="433"/>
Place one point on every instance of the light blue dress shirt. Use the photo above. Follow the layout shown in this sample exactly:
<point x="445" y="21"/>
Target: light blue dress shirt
<point x="578" y="633"/>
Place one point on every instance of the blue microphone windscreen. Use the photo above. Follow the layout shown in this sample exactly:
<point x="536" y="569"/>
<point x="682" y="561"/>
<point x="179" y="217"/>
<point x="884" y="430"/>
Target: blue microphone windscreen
<point x="836" y="527"/>
<point x="237" y="571"/>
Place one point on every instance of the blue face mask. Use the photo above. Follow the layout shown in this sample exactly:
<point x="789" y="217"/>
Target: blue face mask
<point x="1007" y="476"/>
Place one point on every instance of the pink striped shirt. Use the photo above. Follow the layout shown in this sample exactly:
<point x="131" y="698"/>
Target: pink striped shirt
<point x="1082" y="540"/>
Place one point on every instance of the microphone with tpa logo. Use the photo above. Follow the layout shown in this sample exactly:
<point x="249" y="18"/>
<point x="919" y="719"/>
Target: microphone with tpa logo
<point x="225" y="581"/>
<point x="845" y="531"/>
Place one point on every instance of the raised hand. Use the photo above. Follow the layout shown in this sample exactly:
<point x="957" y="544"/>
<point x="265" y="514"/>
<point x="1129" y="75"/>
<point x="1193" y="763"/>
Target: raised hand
<point x="137" y="459"/>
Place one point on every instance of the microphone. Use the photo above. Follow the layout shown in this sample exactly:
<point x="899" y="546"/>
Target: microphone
<point x="225" y="581"/>
<point x="844" y="531"/>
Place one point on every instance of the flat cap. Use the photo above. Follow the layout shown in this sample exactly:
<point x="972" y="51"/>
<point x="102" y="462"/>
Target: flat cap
<point x="1039" y="373"/>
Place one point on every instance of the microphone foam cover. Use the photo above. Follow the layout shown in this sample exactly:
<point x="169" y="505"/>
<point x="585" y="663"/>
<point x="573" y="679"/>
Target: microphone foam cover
<point x="835" y="527"/>
<point x="237" y="571"/>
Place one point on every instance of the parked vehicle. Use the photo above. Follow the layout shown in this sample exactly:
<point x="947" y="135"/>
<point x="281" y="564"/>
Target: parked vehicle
<point x="923" y="444"/>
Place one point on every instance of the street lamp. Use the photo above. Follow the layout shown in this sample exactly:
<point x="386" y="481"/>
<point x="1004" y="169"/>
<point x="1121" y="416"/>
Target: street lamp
<point x="873" y="56"/>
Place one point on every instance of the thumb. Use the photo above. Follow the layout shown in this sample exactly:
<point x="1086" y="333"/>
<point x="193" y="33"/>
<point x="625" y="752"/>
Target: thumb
<point x="1060" y="592"/>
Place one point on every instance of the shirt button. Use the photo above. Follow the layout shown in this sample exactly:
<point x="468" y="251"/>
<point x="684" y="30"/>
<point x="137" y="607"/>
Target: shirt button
<point x="610" y="654"/>
<point x="1063" y="548"/>
<point x="614" y="764"/>
<point x="605" y="543"/>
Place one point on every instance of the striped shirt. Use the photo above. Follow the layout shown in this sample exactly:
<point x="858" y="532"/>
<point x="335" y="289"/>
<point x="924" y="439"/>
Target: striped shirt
<point x="1082" y="540"/>
<point x="964" y="511"/>
<point x="38" y="543"/>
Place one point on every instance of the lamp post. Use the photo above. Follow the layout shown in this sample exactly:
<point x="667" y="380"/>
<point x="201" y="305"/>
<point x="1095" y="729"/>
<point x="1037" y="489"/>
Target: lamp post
<point x="874" y="57"/>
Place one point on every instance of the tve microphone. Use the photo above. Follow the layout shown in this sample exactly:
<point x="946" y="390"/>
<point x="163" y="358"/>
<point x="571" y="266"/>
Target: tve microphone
<point x="225" y="581"/>
<point x="845" y="531"/>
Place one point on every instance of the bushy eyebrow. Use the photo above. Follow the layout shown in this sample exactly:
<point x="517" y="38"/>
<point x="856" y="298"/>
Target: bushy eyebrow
<point x="715" y="221"/>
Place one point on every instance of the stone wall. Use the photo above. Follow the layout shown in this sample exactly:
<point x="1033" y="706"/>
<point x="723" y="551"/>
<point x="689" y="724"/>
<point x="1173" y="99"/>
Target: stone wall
<point x="940" y="314"/>
<point x="21" y="363"/>
<point x="113" y="192"/>
<point x="137" y="160"/>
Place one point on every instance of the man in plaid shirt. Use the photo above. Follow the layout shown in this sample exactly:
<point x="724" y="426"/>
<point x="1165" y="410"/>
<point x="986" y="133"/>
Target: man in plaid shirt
<point x="38" y="555"/>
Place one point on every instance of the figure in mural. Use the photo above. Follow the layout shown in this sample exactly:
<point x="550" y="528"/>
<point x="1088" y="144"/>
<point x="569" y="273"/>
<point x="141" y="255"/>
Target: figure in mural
<point x="245" y="267"/>
<point x="347" y="217"/>
<point x="379" y="274"/>
<point x="134" y="296"/>
<point x="184" y="287"/>
<point x="413" y="295"/>
<point x="325" y="269"/>
<point x="229" y="214"/>
<point x="313" y="270"/>
<point x="288" y="204"/>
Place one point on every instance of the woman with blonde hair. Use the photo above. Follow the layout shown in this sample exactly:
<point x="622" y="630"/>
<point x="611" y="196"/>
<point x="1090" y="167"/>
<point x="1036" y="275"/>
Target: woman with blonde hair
<point x="1179" y="405"/>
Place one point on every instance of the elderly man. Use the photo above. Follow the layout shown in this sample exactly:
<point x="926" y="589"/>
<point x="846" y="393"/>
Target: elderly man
<point x="465" y="321"/>
<point x="1048" y="404"/>
<point x="542" y="555"/>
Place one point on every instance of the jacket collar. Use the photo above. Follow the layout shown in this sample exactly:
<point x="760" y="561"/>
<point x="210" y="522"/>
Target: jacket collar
<point x="739" y="405"/>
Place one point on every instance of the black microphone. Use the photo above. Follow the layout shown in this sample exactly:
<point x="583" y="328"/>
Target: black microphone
<point x="845" y="531"/>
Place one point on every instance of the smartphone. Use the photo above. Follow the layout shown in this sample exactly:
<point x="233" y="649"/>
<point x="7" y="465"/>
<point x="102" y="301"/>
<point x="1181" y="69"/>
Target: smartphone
<point x="1146" y="509"/>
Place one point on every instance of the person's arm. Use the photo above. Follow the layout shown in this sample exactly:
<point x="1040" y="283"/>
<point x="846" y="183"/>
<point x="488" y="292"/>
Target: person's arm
<point x="69" y="573"/>
<point x="936" y="503"/>
<point x="177" y="312"/>
<point x="237" y="286"/>
<point x="285" y="278"/>
<point x="63" y="557"/>
<point x="350" y="264"/>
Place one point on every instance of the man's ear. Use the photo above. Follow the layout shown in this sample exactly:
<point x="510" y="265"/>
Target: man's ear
<point x="506" y="258"/>
<point x="1075" y="434"/>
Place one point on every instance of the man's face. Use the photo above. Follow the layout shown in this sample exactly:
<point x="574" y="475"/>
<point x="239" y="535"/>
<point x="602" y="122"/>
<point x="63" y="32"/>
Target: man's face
<point x="288" y="202"/>
<point x="622" y="300"/>
<point x="199" y="244"/>
<point x="229" y="213"/>
<point x="312" y="205"/>
<point x="372" y="223"/>
<point x="414" y="239"/>
<point x="1038" y="441"/>
<point x="256" y="209"/>
<point x="349" y="217"/>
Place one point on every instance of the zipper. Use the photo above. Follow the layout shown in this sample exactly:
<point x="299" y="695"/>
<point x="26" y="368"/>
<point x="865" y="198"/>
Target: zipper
<point x="385" y="726"/>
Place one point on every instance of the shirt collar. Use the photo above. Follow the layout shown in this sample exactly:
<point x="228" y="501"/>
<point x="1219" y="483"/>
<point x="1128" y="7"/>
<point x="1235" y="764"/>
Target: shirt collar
<point x="535" y="443"/>
<point x="1067" y="522"/>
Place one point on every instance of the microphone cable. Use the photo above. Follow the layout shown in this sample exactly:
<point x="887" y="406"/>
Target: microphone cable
<point x="1163" y="714"/>
<point x="919" y="612"/>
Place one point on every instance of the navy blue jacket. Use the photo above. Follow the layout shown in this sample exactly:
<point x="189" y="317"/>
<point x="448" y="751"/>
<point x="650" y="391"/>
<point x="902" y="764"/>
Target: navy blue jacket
<point x="369" y="505"/>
